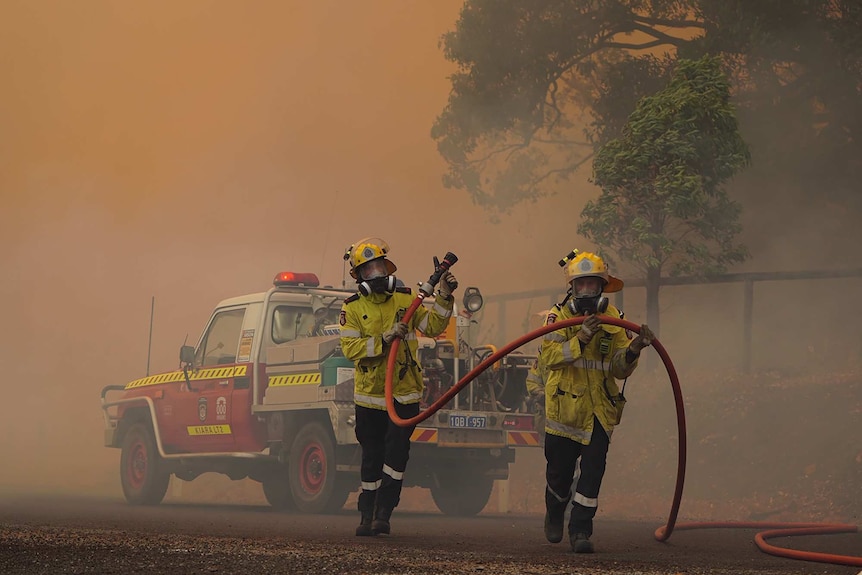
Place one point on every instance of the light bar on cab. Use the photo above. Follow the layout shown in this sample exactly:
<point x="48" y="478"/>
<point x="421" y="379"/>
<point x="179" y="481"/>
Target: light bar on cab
<point x="295" y="279"/>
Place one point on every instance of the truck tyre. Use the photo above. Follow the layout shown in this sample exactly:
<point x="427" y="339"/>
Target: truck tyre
<point x="142" y="472"/>
<point x="461" y="495"/>
<point x="276" y="489"/>
<point x="311" y="468"/>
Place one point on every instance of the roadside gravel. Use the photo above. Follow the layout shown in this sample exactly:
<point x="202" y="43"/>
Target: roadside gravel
<point x="33" y="550"/>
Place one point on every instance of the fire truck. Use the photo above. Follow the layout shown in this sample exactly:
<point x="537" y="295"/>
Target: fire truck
<point x="266" y="394"/>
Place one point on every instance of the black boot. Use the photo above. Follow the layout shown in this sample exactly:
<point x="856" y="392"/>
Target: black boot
<point x="581" y="543"/>
<point x="580" y="528"/>
<point x="366" y="509"/>
<point x="555" y="513"/>
<point x="381" y="520"/>
<point x="364" y="529"/>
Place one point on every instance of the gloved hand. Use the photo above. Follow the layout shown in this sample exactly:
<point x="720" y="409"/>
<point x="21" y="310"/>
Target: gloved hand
<point x="589" y="328"/>
<point x="447" y="284"/>
<point x="538" y="398"/>
<point x="643" y="339"/>
<point x="398" y="329"/>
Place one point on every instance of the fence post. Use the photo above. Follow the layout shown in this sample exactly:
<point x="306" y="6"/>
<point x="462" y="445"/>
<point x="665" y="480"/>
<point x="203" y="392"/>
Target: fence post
<point x="748" y="313"/>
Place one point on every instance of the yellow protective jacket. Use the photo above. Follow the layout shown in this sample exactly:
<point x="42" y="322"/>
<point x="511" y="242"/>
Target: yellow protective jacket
<point x="579" y="384"/>
<point x="364" y="320"/>
<point x="536" y="376"/>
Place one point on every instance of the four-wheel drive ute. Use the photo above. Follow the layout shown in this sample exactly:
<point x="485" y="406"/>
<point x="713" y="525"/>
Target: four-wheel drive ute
<point x="267" y="394"/>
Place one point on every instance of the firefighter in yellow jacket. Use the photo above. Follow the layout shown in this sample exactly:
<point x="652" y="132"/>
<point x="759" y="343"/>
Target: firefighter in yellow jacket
<point x="370" y="321"/>
<point x="583" y="402"/>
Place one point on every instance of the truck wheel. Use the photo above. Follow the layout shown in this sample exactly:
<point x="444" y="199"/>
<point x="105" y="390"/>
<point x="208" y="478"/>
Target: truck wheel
<point x="276" y="489"/>
<point x="311" y="467"/>
<point x="461" y="495"/>
<point x="144" y="480"/>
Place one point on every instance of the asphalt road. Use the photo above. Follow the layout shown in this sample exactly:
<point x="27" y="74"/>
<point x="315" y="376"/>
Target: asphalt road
<point x="88" y="535"/>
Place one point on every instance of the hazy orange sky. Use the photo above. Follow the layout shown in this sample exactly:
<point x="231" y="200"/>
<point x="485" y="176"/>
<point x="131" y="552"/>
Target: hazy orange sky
<point x="190" y="150"/>
<point x="278" y="124"/>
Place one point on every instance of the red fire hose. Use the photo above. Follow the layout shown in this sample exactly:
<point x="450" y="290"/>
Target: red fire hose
<point x="663" y="532"/>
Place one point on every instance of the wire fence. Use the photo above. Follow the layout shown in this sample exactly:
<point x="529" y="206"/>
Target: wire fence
<point x="505" y="302"/>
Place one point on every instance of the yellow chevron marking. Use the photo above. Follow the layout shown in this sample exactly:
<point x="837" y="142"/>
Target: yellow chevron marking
<point x="295" y="379"/>
<point x="209" y="429"/>
<point x="529" y="439"/>
<point x="174" y="376"/>
<point x="424" y="435"/>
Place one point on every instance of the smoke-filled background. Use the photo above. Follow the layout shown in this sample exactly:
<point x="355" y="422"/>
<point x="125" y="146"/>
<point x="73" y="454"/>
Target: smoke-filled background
<point x="189" y="151"/>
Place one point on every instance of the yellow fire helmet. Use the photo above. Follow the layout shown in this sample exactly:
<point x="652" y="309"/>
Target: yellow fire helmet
<point x="365" y="250"/>
<point x="586" y="264"/>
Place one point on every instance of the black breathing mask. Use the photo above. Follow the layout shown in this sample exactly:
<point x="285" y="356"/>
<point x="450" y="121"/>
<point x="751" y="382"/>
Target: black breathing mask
<point x="588" y="305"/>
<point x="385" y="284"/>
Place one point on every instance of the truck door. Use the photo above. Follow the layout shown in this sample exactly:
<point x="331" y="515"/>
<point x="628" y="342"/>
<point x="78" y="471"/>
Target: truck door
<point x="205" y="411"/>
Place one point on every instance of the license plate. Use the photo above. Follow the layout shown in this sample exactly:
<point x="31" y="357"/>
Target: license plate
<point x="469" y="421"/>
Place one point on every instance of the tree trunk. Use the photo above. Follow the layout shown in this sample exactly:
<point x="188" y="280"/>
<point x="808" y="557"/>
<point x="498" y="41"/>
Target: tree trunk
<point x="652" y="312"/>
<point x="652" y="288"/>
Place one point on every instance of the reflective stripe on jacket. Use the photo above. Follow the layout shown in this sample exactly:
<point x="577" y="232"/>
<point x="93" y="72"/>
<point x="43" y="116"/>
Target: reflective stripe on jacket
<point x="581" y="384"/>
<point x="365" y="320"/>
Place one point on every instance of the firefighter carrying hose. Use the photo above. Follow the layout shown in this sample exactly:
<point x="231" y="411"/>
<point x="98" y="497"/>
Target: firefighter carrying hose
<point x="580" y="365"/>
<point x="370" y="321"/>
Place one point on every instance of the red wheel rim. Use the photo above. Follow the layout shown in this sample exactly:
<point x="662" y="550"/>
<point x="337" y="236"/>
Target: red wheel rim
<point x="312" y="469"/>
<point x="136" y="464"/>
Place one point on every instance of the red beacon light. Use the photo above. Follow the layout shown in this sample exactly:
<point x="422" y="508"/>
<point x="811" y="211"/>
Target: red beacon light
<point x="295" y="279"/>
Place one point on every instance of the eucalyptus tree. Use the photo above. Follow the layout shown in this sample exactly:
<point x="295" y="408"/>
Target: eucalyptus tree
<point x="663" y="206"/>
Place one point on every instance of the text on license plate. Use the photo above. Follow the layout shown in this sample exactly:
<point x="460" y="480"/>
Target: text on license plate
<point x="471" y="421"/>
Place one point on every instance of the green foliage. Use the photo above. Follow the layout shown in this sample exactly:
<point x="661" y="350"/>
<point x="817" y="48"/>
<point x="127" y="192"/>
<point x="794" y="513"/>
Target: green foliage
<point x="541" y="83"/>
<point x="662" y="201"/>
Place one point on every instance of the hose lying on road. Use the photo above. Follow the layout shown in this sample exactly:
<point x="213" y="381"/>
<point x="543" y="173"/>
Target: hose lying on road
<point x="663" y="532"/>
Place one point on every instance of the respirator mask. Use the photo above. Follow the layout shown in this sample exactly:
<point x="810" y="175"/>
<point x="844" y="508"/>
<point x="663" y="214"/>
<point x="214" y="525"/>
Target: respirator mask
<point x="589" y="304"/>
<point x="374" y="277"/>
<point x="588" y="300"/>
<point x="385" y="284"/>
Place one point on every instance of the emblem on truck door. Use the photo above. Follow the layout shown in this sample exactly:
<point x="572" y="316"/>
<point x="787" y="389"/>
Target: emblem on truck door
<point x="221" y="409"/>
<point x="202" y="408"/>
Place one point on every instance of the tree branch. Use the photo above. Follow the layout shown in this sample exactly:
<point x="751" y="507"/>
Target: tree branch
<point x="626" y="46"/>
<point x="552" y="92"/>
<point x="669" y="23"/>
<point x="563" y="142"/>
<point x="667" y="38"/>
<point x="493" y="153"/>
<point x="567" y="169"/>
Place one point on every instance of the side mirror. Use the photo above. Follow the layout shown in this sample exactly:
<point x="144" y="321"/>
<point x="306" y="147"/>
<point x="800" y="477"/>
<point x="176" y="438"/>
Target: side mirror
<point x="187" y="360"/>
<point x="187" y="355"/>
